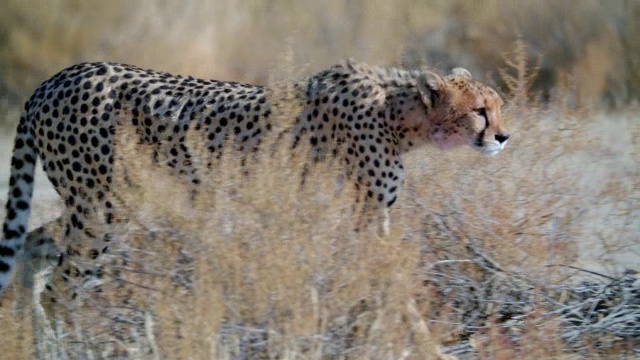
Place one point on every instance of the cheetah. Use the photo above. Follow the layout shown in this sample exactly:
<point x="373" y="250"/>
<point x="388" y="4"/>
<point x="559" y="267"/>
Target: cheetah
<point x="369" y="115"/>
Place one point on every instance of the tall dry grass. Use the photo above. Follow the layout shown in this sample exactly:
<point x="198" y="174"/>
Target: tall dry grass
<point x="258" y="264"/>
<point x="255" y="265"/>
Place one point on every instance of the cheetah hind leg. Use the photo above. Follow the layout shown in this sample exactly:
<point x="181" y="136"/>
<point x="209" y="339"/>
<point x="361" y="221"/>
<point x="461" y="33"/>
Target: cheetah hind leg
<point x="40" y="256"/>
<point x="53" y="278"/>
<point x="76" y="267"/>
<point x="49" y="269"/>
<point x="41" y="251"/>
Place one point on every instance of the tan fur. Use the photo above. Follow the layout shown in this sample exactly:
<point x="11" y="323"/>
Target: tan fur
<point x="368" y="114"/>
<point x="457" y="119"/>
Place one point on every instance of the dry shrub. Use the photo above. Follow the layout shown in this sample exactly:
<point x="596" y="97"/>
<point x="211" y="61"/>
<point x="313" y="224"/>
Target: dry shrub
<point x="496" y="229"/>
<point x="261" y="263"/>
<point x="256" y="263"/>
<point x="590" y="42"/>
<point x="253" y="262"/>
<point x="515" y="204"/>
<point x="518" y="75"/>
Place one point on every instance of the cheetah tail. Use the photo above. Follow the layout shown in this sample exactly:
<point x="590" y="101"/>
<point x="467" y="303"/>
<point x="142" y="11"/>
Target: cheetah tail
<point x="18" y="201"/>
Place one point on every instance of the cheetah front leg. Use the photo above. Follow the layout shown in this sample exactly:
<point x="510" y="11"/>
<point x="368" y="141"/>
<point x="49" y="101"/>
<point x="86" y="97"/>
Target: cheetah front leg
<point x="377" y="215"/>
<point x="370" y="215"/>
<point x="385" y="222"/>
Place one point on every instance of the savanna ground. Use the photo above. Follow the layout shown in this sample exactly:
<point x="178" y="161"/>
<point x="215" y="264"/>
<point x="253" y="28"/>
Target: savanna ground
<point x="532" y="254"/>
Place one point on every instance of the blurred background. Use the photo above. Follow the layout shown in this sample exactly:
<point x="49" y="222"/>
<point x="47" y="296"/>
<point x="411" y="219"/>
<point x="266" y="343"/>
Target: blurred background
<point x="592" y="47"/>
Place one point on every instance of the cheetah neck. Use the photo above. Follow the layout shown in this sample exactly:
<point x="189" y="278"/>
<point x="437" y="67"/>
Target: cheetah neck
<point x="408" y="116"/>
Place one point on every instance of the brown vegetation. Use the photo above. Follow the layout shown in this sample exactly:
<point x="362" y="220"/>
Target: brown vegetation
<point x="258" y="265"/>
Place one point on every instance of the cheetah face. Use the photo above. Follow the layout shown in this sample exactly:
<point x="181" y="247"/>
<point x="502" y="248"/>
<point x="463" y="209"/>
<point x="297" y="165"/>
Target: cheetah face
<point x="466" y="112"/>
<point x="484" y="121"/>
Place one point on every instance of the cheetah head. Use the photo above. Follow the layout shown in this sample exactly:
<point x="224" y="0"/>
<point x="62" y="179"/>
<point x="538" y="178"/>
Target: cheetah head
<point x="462" y="111"/>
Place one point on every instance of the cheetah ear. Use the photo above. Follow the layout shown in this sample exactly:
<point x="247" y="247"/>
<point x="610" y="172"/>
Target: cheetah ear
<point x="430" y="85"/>
<point x="461" y="72"/>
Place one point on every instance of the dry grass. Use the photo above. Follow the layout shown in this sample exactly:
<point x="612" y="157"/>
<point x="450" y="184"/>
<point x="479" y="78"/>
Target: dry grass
<point x="257" y="264"/>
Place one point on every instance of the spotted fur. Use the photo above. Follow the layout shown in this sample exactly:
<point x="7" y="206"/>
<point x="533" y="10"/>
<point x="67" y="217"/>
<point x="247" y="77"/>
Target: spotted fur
<point x="371" y="115"/>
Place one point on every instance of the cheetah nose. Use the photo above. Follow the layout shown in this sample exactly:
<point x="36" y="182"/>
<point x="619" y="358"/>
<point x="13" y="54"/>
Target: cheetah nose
<point x="501" y="138"/>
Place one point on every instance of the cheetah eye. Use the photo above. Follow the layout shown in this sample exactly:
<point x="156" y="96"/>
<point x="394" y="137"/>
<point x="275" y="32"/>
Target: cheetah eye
<point x="481" y="111"/>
